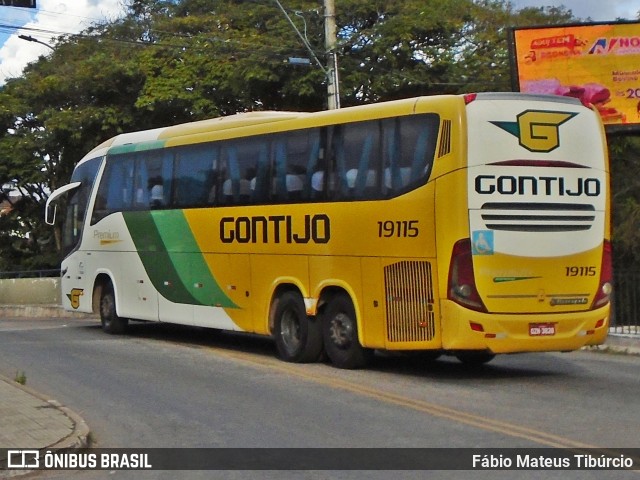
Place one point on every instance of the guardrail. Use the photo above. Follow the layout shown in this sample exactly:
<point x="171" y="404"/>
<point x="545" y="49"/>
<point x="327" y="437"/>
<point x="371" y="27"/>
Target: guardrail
<point x="53" y="272"/>
<point x="626" y="303"/>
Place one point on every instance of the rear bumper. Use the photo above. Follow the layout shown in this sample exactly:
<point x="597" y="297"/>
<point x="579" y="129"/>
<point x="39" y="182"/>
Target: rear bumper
<point x="509" y="333"/>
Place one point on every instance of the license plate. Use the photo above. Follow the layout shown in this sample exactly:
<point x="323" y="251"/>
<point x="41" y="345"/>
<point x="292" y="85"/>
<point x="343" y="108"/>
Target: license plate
<point x="541" y="329"/>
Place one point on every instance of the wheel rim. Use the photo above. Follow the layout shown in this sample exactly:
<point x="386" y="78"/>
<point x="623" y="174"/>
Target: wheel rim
<point x="106" y="307"/>
<point x="290" y="331"/>
<point x="341" y="330"/>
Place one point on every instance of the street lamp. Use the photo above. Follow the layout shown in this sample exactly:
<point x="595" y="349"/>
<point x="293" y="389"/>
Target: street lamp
<point x="29" y="38"/>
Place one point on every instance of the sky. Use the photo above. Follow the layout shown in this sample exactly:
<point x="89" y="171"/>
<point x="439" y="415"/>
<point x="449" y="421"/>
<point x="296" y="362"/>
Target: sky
<point x="55" y="17"/>
<point x="50" y="19"/>
<point x="597" y="10"/>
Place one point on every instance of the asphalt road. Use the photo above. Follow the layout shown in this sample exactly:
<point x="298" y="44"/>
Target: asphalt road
<point x="169" y="386"/>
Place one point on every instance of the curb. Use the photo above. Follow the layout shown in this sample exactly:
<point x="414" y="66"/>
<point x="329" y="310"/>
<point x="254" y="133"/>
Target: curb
<point x="40" y="310"/>
<point x="76" y="439"/>
<point x="619" y="343"/>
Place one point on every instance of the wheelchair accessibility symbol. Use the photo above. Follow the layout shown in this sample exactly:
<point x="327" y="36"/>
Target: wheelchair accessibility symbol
<point x="482" y="242"/>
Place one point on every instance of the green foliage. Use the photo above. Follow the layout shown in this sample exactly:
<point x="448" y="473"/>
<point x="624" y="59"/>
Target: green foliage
<point x="20" y="377"/>
<point x="171" y="61"/>
<point x="625" y="163"/>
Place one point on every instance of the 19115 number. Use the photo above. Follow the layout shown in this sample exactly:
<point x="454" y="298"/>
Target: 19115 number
<point x="580" y="271"/>
<point x="398" y="229"/>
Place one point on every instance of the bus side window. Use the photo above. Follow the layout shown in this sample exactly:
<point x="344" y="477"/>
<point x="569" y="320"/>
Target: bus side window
<point x="193" y="179"/>
<point x="141" y="185"/>
<point x="280" y="183"/>
<point x="166" y="174"/>
<point x="300" y="146"/>
<point x="419" y="138"/>
<point x="391" y="152"/>
<point x="259" y="175"/>
<point x="357" y="166"/>
<point x="233" y="186"/>
<point x="115" y="192"/>
<point x="288" y="175"/>
<point x="314" y="181"/>
<point x="154" y="176"/>
<point x="409" y="148"/>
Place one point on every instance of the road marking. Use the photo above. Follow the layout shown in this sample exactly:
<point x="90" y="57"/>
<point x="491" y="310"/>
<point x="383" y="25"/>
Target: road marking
<point x="458" y="416"/>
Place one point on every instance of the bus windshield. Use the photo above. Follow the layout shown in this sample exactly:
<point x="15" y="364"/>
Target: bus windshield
<point x="78" y="203"/>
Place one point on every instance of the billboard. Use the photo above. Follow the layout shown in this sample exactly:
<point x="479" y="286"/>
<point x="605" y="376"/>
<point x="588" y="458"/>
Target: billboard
<point x="598" y="63"/>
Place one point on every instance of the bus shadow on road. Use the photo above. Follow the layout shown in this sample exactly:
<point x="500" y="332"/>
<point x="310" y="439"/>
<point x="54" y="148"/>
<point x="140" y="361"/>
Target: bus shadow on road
<point x="414" y="364"/>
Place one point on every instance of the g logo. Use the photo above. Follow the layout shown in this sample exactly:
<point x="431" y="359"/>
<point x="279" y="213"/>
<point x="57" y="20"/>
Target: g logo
<point x="74" y="297"/>
<point x="537" y="130"/>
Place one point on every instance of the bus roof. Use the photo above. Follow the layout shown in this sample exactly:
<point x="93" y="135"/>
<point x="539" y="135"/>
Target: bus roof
<point x="251" y="123"/>
<point x="191" y="128"/>
<point x="245" y="124"/>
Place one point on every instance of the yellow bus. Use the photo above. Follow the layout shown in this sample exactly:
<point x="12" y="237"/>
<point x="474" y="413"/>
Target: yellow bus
<point x="466" y="225"/>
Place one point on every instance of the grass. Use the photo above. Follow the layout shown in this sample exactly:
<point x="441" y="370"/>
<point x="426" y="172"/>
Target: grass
<point x="21" y="378"/>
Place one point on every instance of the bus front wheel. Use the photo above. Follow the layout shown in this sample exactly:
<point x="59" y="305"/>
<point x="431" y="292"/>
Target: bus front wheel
<point x="298" y="337"/>
<point x="111" y="322"/>
<point x="340" y="333"/>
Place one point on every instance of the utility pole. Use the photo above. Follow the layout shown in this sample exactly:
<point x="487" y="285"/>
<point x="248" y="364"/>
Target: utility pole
<point x="330" y="42"/>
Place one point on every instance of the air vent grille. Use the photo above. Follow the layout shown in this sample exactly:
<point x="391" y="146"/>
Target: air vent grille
<point x="409" y="302"/>
<point x="538" y="217"/>
<point x="445" y="139"/>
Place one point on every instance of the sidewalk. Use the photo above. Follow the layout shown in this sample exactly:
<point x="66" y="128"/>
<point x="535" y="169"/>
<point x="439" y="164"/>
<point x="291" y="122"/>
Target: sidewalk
<point x="628" y="343"/>
<point x="28" y="420"/>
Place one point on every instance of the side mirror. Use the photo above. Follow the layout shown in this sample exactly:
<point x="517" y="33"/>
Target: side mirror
<point x="49" y="218"/>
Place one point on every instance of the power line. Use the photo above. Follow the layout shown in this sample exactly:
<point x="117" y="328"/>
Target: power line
<point x="15" y="28"/>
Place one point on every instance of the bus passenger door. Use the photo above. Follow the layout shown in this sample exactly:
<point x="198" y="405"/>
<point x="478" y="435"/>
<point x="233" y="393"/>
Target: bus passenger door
<point x="139" y="299"/>
<point x="175" y="304"/>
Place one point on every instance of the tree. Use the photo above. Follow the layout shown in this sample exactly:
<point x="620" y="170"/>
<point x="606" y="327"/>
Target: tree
<point x="219" y="58"/>
<point x="482" y="63"/>
<point x="57" y="111"/>
<point x="171" y="61"/>
<point x="625" y="185"/>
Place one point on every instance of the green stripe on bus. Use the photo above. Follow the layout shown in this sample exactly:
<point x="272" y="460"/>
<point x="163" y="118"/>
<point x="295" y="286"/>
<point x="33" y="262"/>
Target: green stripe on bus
<point x="172" y="259"/>
<point x="188" y="260"/>
<point x="136" y="147"/>
<point x="155" y="258"/>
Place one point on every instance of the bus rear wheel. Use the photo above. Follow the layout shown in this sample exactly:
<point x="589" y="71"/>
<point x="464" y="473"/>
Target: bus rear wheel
<point x="111" y="322"/>
<point x="340" y="333"/>
<point x="298" y="337"/>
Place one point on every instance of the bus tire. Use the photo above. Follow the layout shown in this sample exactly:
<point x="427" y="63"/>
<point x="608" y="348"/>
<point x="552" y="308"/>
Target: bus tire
<point x="111" y="322"/>
<point x="298" y="337"/>
<point x="340" y="333"/>
<point x="475" y="359"/>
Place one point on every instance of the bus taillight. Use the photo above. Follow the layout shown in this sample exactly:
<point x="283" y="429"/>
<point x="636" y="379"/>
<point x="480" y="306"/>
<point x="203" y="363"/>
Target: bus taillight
<point x="462" y="283"/>
<point x="605" y="287"/>
<point x="469" y="97"/>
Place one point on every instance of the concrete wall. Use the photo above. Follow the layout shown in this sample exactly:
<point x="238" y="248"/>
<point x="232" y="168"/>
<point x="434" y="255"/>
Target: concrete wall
<point x="30" y="291"/>
<point x="33" y="297"/>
